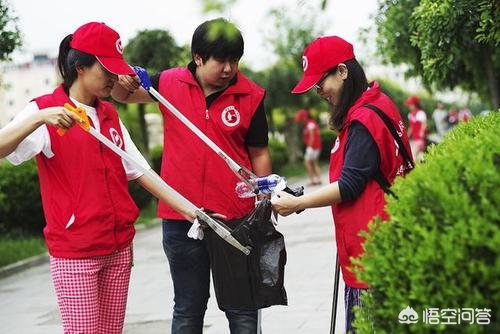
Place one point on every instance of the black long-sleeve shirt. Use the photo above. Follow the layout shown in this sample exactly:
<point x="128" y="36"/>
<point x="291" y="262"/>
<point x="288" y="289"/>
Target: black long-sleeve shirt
<point x="361" y="162"/>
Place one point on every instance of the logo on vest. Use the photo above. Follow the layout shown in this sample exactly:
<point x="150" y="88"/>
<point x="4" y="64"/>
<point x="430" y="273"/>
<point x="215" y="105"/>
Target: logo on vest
<point x="230" y="116"/>
<point x="116" y="138"/>
<point x="335" y="146"/>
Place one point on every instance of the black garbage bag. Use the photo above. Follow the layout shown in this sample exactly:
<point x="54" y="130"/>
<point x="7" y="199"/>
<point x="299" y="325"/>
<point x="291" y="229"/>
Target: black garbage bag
<point x="254" y="281"/>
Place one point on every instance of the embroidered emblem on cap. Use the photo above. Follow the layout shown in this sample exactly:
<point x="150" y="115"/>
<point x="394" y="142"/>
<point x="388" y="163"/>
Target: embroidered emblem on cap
<point x="230" y="116"/>
<point x="305" y="63"/>
<point x="119" y="46"/>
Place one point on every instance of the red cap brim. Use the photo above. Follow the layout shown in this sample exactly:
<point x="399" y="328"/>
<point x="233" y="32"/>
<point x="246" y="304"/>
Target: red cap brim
<point x="306" y="83"/>
<point x="116" y="66"/>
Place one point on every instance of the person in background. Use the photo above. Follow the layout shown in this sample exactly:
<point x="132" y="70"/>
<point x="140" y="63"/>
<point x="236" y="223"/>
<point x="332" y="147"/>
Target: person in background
<point x="312" y="142"/>
<point x="464" y="114"/>
<point x="452" y="117"/>
<point x="229" y="108"/>
<point x="417" y="127"/>
<point x="88" y="210"/>
<point x="363" y="152"/>
<point x="440" y="116"/>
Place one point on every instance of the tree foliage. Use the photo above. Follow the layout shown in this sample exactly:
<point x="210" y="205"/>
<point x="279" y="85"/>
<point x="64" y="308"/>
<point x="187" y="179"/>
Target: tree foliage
<point x="288" y="39"/>
<point x="448" y="43"/>
<point x="155" y="50"/>
<point x="10" y="36"/>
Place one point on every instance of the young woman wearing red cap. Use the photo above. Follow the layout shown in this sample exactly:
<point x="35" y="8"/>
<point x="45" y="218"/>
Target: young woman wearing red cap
<point x="364" y="151"/>
<point x="88" y="210"/>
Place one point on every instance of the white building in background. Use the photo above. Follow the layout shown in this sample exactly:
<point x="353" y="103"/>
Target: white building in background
<point x="20" y="82"/>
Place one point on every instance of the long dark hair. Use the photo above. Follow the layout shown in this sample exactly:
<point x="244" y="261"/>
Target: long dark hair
<point x="354" y="86"/>
<point x="69" y="59"/>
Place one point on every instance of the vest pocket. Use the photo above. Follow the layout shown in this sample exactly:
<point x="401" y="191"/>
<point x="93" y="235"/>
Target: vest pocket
<point x="70" y="222"/>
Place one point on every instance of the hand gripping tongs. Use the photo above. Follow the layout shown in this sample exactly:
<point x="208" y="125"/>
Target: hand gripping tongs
<point x="218" y="228"/>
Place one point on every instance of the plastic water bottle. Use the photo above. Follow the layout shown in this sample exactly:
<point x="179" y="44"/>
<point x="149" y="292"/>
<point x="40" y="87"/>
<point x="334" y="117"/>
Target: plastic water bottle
<point x="264" y="184"/>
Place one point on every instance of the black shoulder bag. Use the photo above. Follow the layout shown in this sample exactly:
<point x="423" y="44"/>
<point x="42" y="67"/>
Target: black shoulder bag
<point x="379" y="177"/>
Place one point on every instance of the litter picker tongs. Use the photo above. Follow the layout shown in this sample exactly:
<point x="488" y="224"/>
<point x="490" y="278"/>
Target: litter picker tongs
<point x="218" y="228"/>
<point x="241" y="172"/>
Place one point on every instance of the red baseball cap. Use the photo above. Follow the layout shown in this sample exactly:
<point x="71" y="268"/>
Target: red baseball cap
<point x="412" y="100"/>
<point x="104" y="43"/>
<point x="301" y="115"/>
<point x="320" y="56"/>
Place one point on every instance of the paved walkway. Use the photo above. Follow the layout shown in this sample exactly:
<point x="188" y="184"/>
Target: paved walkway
<point x="28" y="304"/>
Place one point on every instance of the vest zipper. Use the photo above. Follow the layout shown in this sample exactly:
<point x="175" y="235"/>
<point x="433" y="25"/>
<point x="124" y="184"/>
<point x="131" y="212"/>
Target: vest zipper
<point x="206" y="114"/>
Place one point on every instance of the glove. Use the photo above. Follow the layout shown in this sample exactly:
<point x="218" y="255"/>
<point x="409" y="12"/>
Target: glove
<point x="144" y="76"/>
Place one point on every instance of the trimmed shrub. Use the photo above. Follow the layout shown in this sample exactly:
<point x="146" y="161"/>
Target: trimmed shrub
<point x="279" y="154"/>
<point x="20" y="202"/>
<point x="440" y="248"/>
<point x="141" y="196"/>
<point x="156" y="156"/>
<point x="327" y="139"/>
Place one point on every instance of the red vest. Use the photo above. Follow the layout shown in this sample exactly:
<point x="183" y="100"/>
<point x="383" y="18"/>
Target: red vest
<point x="188" y="164"/>
<point x="353" y="216"/>
<point x="85" y="179"/>
<point x="306" y="133"/>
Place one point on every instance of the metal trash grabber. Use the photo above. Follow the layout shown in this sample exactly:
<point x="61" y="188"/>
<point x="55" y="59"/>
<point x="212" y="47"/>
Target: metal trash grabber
<point x="218" y="228"/>
<point x="335" y="295"/>
<point x="241" y="172"/>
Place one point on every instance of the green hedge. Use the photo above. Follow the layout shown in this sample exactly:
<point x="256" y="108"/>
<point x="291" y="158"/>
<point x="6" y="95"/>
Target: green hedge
<point x="279" y="154"/>
<point x="440" y="248"/>
<point x="327" y="139"/>
<point x="20" y="203"/>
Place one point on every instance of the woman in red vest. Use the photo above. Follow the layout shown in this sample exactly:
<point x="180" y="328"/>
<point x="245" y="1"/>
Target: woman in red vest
<point x="364" y="154"/>
<point x="88" y="210"/>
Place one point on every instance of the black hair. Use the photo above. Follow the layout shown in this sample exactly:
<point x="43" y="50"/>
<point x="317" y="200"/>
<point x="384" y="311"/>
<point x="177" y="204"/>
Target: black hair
<point x="354" y="86"/>
<point x="68" y="61"/>
<point x="217" y="38"/>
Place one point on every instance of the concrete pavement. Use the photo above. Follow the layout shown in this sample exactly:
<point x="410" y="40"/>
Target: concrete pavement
<point x="28" y="303"/>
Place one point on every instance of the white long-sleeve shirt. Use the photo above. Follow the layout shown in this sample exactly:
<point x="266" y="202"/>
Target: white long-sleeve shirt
<point x="38" y="142"/>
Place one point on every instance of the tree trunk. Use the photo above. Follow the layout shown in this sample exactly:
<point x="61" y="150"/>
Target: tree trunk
<point x="491" y="77"/>
<point x="144" y="130"/>
<point x="292" y="140"/>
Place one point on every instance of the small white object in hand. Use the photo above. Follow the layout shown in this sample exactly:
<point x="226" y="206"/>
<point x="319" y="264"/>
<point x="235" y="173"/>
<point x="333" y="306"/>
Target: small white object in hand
<point x="196" y="232"/>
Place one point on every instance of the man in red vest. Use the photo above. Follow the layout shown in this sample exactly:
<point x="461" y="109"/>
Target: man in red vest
<point x="228" y="107"/>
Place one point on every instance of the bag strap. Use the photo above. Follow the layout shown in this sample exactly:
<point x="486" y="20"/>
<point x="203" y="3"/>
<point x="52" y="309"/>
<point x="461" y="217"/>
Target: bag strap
<point x="379" y="177"/>
<point x="392" y="129"/>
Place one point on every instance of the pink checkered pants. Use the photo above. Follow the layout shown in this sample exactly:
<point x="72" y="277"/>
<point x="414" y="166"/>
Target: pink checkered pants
<point x="92" y="292"/>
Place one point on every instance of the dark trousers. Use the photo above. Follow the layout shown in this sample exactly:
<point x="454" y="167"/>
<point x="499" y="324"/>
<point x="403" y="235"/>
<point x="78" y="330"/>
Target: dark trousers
<point x="190" y="272"/>
<point x="351" y="298"/>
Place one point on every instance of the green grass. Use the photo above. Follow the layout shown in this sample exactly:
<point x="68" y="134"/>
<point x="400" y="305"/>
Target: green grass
<point x="148" y="214"/>
<point x="20" y="248"/>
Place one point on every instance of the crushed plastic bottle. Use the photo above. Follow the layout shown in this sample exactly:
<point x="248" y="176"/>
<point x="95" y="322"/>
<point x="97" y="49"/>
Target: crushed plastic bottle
<point x="264" y="184"/>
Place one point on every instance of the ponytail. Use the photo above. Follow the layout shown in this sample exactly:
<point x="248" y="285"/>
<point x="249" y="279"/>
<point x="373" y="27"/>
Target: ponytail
<point x="64" y="48"/>
<point x="68" y="61"/>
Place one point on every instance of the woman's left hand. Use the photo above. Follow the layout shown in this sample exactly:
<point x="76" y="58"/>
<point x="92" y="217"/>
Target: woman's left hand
<point x="285" y="204"/>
